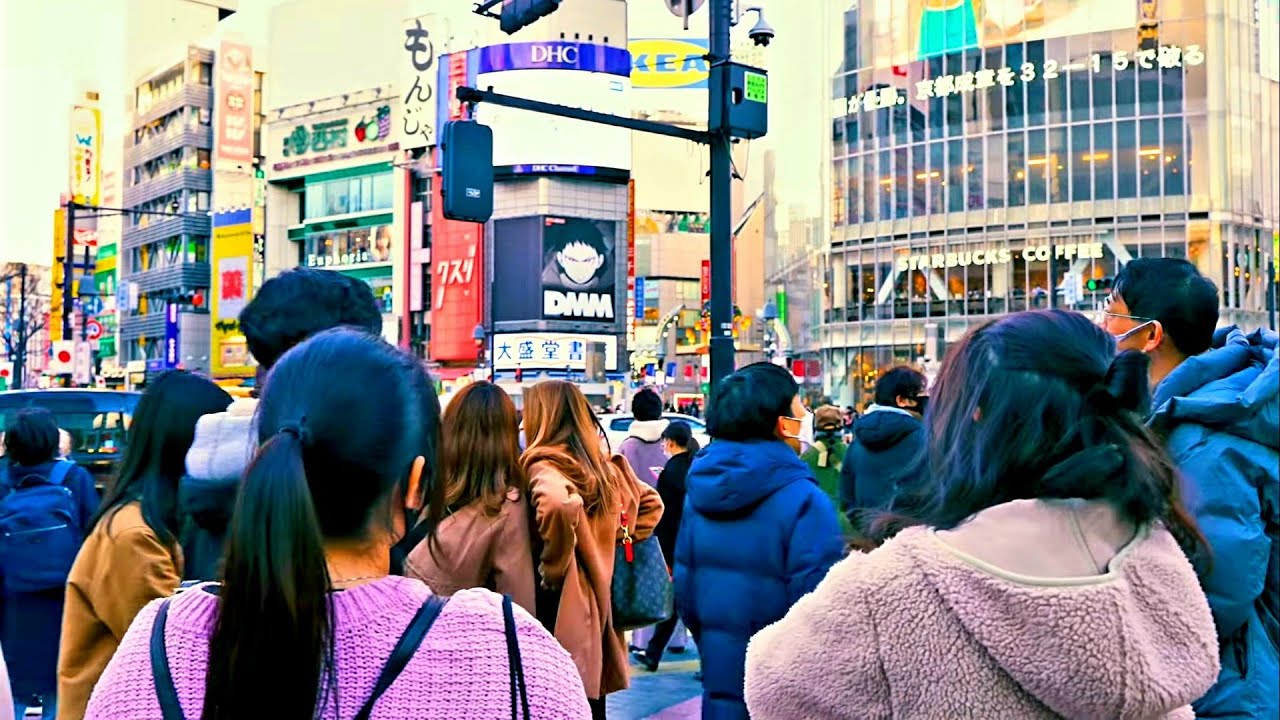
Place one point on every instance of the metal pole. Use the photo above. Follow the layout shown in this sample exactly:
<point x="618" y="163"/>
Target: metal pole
<point x="68" y="270"/>
<point x="721" y="344"/>
<point x="20" y="364"/>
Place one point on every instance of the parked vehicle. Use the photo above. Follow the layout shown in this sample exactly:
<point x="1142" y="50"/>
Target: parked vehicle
<point x="98" y="421"/>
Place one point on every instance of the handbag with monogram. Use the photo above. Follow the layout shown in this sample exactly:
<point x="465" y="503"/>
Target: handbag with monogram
<point x="643" y="593"/>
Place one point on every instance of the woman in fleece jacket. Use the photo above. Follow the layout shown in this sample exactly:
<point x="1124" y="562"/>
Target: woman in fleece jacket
<point x="1046" y="574"/>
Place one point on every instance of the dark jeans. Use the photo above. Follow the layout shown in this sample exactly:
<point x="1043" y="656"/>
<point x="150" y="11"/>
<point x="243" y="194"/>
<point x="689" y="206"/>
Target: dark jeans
<point x="661" y="636"/>
<point x="598" y="706"/>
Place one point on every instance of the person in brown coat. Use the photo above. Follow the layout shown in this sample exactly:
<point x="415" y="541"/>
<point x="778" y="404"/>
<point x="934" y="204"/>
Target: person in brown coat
<point x="581" y="497"/>
<point x="132" y="556"/>
<point x="478" y="514"/>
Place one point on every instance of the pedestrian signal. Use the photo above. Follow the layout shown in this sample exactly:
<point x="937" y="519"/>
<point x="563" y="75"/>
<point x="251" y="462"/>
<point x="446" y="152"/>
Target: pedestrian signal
<point x="466" y="160"/>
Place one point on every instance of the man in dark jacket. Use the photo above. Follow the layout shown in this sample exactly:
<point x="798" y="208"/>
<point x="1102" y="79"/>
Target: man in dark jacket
<point x="31" y="620"/>
<point x="757" y="534"/>
<point x="287" y="310"/>
<point x="1216" y="401"/>
<point x="888" y="442"/>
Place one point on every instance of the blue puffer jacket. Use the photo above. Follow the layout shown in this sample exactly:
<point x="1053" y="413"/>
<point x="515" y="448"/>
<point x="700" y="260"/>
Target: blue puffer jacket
<point x="757" y="535"/>
<point x="1220" y="413"/>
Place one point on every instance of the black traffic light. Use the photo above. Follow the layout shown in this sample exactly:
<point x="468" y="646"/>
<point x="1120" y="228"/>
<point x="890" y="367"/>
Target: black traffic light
<point x="1100" y="284"/>
<point x="466" y="161"/>
<point x="519" y="14"/>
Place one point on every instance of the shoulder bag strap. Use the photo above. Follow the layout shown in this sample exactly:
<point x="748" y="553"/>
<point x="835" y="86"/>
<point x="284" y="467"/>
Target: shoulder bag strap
<point x="58" y="475"/>
<point x="519" y="692"/>
<point x="166" y="693"/>
<point x="403" y="652"/>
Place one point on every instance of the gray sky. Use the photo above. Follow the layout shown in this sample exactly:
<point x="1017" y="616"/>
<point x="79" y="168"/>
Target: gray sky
<point x="52" y="51"/>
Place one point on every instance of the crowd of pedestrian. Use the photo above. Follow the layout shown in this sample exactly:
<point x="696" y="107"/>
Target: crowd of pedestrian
<point x="1074" y="519"/>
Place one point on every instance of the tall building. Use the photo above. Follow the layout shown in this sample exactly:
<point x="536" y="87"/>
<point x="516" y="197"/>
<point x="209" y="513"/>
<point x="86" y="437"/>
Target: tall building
<point x="991" y="158"/>
<point x="164" y="259"/>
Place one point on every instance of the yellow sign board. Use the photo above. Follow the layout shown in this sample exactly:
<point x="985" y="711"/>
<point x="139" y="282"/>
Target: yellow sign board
<point x="86" y="155"/>
<point x="232" y="288"/>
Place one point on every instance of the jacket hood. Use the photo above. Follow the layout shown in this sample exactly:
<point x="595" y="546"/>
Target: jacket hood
<point x="1094" y="618"/>
<point x="1233" y="388"/>
<point x="224" y="445"/>
<point x="649" y="431"/>
<point x="883" y="427"/>
<point x="728" y="476"/>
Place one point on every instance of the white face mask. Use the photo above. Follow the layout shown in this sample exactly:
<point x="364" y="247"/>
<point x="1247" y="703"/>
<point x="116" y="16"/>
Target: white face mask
<point x="806" y="429"/>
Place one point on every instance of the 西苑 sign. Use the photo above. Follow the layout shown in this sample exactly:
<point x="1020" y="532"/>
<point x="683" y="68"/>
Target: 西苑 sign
<point x="419" y="75"/>
<point x="86" y="155"/>
<point x="233" y="102"/>
<point x="1166" y="57"/>
<point x="551" y="351"/>
<point x="1000" y="256"/>
<point x="372" y="126"/>
<point x="669" y="64"/>
<point x="578" y="275"/>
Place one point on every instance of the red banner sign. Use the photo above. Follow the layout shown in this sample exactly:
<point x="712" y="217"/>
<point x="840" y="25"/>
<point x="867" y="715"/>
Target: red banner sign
<point x="233" y="105"/>
<point x="706" y="281"/>
<point x="457" y="284"/>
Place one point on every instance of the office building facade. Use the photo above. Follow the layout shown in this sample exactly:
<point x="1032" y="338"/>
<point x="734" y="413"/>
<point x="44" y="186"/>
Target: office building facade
<point x="986" y="163"/>
<point x="163" y="259"/>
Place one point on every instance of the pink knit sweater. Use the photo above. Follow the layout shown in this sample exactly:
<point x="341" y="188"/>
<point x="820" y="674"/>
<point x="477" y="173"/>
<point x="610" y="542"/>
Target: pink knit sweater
<point x="460" y="671"/>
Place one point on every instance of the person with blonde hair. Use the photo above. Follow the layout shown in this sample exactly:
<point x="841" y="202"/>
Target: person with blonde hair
<point x="583" y="497"/>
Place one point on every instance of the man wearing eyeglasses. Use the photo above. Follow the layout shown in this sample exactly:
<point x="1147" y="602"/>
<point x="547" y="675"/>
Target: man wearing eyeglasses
<point x="1216" y="403"/>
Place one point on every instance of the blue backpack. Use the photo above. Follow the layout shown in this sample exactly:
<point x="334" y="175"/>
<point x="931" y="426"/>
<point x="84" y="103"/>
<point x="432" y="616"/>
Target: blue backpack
<point x="40" y="532"/>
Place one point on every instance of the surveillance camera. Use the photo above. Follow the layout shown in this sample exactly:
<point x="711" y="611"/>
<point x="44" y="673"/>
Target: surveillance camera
<point x="763" y="33"/>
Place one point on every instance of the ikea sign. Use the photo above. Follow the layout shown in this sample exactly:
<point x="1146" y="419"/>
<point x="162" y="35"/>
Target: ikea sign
<point x="668" y="64"/>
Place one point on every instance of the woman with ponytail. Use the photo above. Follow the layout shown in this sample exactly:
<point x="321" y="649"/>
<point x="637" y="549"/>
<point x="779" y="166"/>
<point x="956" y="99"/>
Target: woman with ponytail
<point x="1043" y="571"/>
<point x="307" y="622"/>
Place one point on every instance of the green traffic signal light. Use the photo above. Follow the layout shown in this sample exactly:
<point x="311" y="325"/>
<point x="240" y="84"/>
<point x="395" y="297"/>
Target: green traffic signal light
<point x="1093" y="284"/>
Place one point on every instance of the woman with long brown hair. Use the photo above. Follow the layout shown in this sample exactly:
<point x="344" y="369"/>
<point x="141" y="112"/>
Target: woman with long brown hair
<point x="582" y="496"/>
<point x="478" y="516"/>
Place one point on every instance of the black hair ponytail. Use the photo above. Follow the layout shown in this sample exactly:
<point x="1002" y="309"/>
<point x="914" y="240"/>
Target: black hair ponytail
<point x="273" y="637"/>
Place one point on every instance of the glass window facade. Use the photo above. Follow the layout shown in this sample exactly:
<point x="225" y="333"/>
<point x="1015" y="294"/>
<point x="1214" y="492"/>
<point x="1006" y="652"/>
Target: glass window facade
<point x="346" y="196"/>
<point x="980" y="173"/>
<point x="359" y="246"/>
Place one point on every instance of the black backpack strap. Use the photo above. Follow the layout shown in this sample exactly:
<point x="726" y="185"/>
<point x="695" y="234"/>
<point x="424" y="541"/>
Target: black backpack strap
<point x="519" y="692"/>
<point x="166" y="693"/>
<point x="403" y="651"/>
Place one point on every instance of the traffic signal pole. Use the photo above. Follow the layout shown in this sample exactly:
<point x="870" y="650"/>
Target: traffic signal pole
<point x="68" y="271"/>
<point x="721" y="343"/>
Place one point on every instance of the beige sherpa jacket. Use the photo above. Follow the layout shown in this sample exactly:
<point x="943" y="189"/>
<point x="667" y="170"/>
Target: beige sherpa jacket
<point x="1031" y="609"/>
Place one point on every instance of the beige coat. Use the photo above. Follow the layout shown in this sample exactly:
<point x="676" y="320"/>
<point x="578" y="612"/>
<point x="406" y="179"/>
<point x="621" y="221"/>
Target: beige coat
<point x="578" y="556"/>
<point x="474" y="550"/>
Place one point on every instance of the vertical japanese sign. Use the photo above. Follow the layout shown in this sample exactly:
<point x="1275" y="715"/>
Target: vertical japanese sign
<point x="706" y="282"/>
<point x="418" y="76"/>
<point x="54" y="325"/>
<point x="233" y="282"/>
<point x="233" y="102"/>
<point x="172" y="348"/>
<point x="635" y="301"/>
<point x="86" y="155"/>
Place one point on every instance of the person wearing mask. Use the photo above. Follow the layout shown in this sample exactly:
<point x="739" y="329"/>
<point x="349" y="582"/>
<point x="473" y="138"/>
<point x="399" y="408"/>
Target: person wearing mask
<point x="1046" y="576"/>
<point x="288" y="309"/>
<point x="64" y="444"/>
<point x="679" y="445"/>
<point x="132" y="554"/>
<point x="757" y="532"/>
<point x="307" y="617"/>
<point x="582" y="498"/>
<point x="479" y="519"/>
<point x="888" y="444"/>
<point x="826" y="456"/>
<point x="643" y="446"/>
<point x="1216" y="402"/>
<point x="45" y="513"/>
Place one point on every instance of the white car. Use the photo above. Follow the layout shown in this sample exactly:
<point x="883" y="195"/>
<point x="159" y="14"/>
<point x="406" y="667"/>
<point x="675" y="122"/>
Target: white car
<point x="617" y="427"/>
